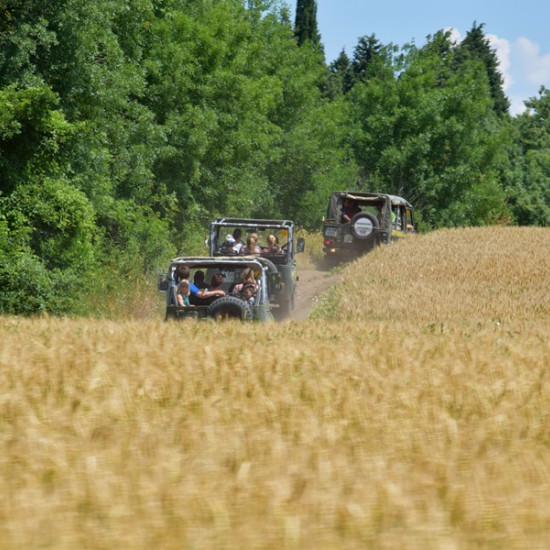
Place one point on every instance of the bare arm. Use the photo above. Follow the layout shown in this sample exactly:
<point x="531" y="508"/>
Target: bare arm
<point x="210" y="293"/>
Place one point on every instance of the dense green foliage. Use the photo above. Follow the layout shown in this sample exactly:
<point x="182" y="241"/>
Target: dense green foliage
<point x="126" y="125"/>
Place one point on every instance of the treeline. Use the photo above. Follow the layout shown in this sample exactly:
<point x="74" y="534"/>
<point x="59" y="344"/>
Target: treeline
<point x="126" y="125"/>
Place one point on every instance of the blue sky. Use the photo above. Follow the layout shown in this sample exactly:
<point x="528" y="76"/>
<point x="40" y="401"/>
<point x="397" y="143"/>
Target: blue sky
<point x="518" y="30"/>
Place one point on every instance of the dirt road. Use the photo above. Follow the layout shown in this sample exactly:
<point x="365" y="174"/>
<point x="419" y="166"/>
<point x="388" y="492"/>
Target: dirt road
<point x="311" y="283"/>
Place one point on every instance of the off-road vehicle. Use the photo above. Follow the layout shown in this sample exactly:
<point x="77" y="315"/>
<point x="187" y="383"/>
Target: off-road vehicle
<point x="378" y="218"/>
<point x="283" y="260"/>
<point x="231" y="306"/>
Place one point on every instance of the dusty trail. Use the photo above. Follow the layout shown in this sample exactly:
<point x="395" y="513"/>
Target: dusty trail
<point x="311" y="283"/>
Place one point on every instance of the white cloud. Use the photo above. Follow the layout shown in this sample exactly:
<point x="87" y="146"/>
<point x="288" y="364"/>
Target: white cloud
<point x="455" y="37"/>
<point x="517" y="105"/>
<point x="534" y="67"/>
<point x="502" y="51"/>
<point x="530" y="70"/>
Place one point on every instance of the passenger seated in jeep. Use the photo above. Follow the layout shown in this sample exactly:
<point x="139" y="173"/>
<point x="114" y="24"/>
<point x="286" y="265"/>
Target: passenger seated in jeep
<point x="198" y="279"/>
<point x="238" y="240"/>
<point x="181" y="272"/>
<point x="196" y="295"/>
<point x="349" y="209"/>
<point x="216" y="281"/>
<point x="247" y="294"/>
<point x="227" y="246"/>
<point x="396" y="219"/>
<point x="183" y="293"/>
<point x="251" y="246"/>
<point x="273" y="246"/>
<point x="247" y="278"/>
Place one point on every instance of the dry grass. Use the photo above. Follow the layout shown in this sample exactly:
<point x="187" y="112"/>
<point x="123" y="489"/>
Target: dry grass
<point x="424" y="430"/>
<point x="456" y="276"/>
<point x="136" y="298"/>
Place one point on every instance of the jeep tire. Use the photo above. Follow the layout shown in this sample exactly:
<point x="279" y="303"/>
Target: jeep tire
<point x="229" y="307"/>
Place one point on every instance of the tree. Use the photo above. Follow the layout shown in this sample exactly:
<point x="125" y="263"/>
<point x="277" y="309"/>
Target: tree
<point x="339" y="77"/>
<point x="305" y="25"/>
<point x="75" y="140"/>
<point x="529" y="182"/>
<point x="476" y="46"/>
<point x="430" y="135"/>
<point x="241" y="108"/>
<point x="367" y="50"/>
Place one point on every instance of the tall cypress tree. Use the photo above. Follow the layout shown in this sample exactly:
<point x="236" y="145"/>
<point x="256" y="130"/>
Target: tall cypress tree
<point x="476" y="46"/>
<point x="305" y="26"/>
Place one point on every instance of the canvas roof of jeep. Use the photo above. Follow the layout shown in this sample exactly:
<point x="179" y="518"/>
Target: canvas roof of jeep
<point x="362" y="197"/>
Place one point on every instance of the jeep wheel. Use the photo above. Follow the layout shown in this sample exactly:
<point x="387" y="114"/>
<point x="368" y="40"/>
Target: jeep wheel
<point x="229" y="307"/>
<point x="363" y="225"/>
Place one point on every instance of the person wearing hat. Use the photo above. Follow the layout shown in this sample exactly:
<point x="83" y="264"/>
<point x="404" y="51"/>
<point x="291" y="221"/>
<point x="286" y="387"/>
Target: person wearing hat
<point x="227" y="246"/>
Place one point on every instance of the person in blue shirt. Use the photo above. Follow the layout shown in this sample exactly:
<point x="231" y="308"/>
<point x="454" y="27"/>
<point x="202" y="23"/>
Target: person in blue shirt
<point x="197" y="296"/>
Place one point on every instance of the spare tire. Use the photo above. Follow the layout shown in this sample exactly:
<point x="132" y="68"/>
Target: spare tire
<point x="363" y="225"/>
<point x="271" y="267"/>
<point x="229" y="307"/>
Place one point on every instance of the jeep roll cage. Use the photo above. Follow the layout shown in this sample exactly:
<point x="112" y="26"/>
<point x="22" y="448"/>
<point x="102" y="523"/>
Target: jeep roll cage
<point x="219" y="226"/>
<point x="283" y="260"/>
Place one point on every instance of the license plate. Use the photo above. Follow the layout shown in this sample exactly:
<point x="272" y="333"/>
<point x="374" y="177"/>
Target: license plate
<point x="331" y="232"/>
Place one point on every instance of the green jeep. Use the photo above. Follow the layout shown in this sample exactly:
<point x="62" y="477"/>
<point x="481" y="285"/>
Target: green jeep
<point x="230" y="305"/>
<point x="282" y="260"/>
<point x="375" y="218"/>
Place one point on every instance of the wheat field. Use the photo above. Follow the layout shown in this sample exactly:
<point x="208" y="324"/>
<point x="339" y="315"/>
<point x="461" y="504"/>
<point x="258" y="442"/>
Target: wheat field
<point x="411" y="411"/>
